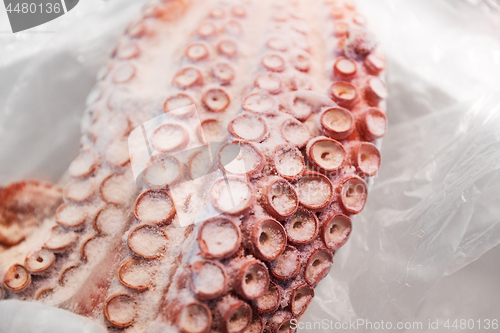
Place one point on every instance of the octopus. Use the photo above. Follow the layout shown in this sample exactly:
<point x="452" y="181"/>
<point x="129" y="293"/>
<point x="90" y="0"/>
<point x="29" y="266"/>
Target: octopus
<point x="270" y="115"/>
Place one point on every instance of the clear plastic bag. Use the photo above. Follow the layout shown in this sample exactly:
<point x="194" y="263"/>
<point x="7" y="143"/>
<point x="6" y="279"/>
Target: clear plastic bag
<point x="46" y="75"/>
<point x="434" y="207"/>
<point x="27" y="317"/>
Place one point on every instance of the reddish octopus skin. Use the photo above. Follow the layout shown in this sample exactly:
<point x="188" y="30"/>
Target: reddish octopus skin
<point x="283" y="105"/>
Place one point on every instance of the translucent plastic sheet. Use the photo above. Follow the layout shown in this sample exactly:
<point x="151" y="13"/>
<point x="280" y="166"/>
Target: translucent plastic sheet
<point x="435" y="205"/>
<point x="23" y="317"/>
<point x="46" y="74"/>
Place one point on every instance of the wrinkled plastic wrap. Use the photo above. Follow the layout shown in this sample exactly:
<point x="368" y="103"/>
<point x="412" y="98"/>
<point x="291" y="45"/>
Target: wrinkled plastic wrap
<point x="35" y="317"/>
<point x="434" y="207"/>
<point x="46" y="74"/>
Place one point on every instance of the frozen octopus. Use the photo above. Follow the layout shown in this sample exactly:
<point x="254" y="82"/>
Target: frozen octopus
<point x="228" y="239"/>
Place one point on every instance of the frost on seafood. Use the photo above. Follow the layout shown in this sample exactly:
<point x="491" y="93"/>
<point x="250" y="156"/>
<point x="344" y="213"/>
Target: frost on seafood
<point x="294" y="87"/>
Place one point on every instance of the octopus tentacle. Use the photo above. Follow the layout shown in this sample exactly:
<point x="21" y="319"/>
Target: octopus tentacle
<point x="23" y="206"/>
<point x="231" y="237"/>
